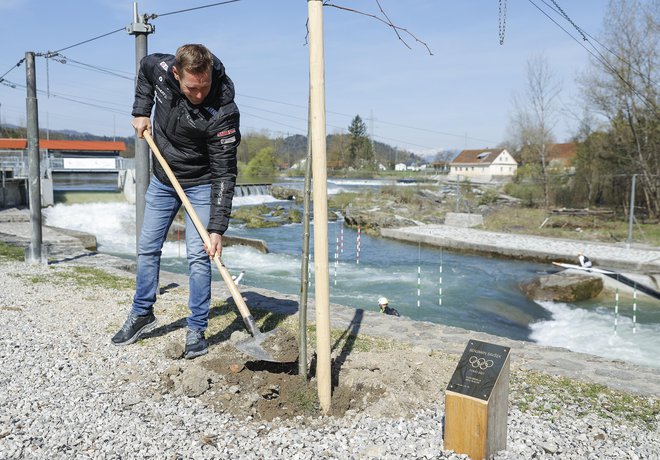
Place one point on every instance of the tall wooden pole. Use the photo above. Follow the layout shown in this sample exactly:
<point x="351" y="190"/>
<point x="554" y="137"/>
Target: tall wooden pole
<point x="321" y="278"/>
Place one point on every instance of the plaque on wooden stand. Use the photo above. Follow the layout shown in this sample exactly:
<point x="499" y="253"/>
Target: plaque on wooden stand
<point x="476" y="401"/>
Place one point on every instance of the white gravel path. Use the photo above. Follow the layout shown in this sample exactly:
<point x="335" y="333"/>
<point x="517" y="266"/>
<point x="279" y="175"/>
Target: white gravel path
<point x="67" y="393"/>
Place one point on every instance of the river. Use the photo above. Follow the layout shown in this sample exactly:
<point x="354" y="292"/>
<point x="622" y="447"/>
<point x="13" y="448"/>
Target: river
<point x="422" y="283"/>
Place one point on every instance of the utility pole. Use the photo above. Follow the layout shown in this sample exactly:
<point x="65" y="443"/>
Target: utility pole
<point x="141" y="30"/>
<point x="33" y="254"/>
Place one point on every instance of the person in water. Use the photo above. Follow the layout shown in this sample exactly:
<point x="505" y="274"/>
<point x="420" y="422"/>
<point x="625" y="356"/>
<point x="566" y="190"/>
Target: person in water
<point x="584" y="261"/>
<point x="383" y="304"/>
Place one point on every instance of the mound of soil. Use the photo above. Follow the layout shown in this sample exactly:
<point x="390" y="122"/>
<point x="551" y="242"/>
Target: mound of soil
<point x="391" y="383"/>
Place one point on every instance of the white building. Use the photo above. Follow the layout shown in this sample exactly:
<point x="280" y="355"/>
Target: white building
<point x="483" y="164"/>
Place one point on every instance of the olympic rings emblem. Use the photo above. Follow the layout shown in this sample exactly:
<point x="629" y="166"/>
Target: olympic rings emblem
<point x="481" y="363"/>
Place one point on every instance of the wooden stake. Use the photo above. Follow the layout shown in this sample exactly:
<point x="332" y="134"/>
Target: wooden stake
<point x="322" y="280"/>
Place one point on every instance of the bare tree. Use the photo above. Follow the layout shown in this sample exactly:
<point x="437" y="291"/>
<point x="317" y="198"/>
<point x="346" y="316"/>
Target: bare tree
<point x="623" y="88"/>
<point x="535" y="116"/>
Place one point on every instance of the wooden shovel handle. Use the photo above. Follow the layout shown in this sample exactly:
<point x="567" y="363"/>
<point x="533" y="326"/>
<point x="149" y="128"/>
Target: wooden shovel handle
<point x="235" y="293"/>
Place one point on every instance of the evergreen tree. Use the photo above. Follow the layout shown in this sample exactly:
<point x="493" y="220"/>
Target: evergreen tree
<point x="360" y="153"/>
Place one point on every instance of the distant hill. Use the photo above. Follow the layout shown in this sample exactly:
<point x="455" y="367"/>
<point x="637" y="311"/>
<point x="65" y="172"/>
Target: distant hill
<point x="295" y="147"/>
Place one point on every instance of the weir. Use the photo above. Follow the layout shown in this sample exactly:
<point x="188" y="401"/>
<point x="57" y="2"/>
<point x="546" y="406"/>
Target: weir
<point x="252" y="189"/>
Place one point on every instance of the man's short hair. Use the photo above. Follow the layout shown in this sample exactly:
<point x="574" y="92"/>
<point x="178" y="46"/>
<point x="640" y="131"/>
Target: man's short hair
<point x="193" y="58"/>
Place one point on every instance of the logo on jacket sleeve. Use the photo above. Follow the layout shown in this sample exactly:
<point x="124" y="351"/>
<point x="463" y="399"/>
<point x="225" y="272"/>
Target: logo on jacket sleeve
<point x="227" y="132"/>
<point x="163" y="65"/>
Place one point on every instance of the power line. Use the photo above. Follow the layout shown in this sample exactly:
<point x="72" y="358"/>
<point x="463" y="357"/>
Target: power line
<point x="567" y="18"/>
<point x="602" y="60"/>
<point x="65" y="60"/>
<point x="89" y="40"/>
<point x="303" y="131"/>
<point x="53" y="53"/>
<point x="462" y="136"/>
<point x="586" y="34"/>
<point x="154" y="16"/>
<point x="18" y="64"/>
<point x="273" y="121"/>
<point x="70" y="98"/>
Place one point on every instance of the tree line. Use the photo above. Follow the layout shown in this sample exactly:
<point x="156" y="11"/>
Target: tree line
<point x="618" y="134"/>
<point x="261" y="155"/>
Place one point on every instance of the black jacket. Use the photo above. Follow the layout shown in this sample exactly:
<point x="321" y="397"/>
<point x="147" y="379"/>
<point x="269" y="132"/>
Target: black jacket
<point x="198" y="142"/>
<point x="390" y="311"/>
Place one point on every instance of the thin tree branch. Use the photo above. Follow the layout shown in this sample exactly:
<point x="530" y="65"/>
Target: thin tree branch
<point x="386" y="21"/>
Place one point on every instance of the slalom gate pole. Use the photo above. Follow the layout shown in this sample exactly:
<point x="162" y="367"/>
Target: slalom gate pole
<point x="440" y="282"/>
<point x="419" y="273"/>
<point x="616" y="309"/>
<point x="635" y="309"/>
<point x="342" y="234"/>
<point x="336" y="253"/>
<point x="358" y="246"/>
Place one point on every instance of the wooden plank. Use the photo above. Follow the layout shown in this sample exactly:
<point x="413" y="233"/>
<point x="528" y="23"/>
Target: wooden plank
<point x="466" y="425"/>
<point x="476" y="427"/>
<point x="498" y="409"/>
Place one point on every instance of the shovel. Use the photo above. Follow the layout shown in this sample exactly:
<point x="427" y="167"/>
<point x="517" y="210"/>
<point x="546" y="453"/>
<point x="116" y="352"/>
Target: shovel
<point x="250" y="346"/>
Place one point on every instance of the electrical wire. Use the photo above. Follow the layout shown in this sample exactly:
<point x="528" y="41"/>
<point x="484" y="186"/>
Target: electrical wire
<point x="602" y="60"/>
<point x="89" y="40"/>
<point x="586" y="34"/>
<point x="154" y="16"/>
<point x="380" y="121"/>
<point x="62" y="49"/>
<point x="65" y="60"/>
<point x="340" y="128"/>
<point x="299" y="130"/>
<point x="71" y="98"/>
<point x="18" y="64"/>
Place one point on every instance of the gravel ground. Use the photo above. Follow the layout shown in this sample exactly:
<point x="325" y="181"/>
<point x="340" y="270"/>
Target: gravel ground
<point x="66" y="392"/>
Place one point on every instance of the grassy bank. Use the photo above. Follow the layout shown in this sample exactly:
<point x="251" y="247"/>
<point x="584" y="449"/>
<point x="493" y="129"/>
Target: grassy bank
<point x="429" y="204"/>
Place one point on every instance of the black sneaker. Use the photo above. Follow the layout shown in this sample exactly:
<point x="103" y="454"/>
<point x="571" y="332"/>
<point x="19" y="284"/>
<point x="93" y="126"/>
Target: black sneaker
<point x="196" y="344"/>
<point x="133" y="328"/>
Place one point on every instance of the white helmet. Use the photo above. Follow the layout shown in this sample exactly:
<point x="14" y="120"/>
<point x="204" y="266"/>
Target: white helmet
<point x="383" y="301"/>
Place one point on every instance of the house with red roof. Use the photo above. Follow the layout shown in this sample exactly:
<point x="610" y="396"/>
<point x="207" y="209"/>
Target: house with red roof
<point x="484" y="164"/>
<point x="562" y="156"/>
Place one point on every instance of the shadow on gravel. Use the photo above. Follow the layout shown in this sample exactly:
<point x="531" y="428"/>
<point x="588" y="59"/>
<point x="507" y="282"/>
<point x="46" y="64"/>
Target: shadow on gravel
<point x="269" y="309"/>
<point x="72" y="258"/>
<point x="169" y="287"/>
<point x="275" y="305"/>
<point x="260" y="307"/>
<point x="350" y="334"/>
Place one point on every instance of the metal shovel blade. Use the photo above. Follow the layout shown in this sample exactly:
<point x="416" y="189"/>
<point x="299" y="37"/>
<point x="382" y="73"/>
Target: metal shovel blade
<point x="252" y="346"/>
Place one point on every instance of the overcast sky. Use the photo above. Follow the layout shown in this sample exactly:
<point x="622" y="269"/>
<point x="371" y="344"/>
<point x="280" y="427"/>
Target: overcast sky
<point x="458" y="97"/>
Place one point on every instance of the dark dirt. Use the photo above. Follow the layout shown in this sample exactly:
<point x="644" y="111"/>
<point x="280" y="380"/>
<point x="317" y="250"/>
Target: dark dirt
<point x="389" y="383"/>
<point x="281" y="345"/>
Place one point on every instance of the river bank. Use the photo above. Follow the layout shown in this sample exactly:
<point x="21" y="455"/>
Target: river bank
<point x="70" y="393"/>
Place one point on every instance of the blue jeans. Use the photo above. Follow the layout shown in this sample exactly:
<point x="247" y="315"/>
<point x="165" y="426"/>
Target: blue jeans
<point x="162" y="204"/>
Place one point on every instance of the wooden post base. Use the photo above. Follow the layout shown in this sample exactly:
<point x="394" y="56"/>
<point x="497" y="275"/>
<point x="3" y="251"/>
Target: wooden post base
<point x="476" y="426"/>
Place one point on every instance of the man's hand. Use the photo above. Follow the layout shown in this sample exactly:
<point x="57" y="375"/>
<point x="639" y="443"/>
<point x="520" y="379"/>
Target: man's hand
<point x="216" y="245"/>
<point x="141" y="124"/>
